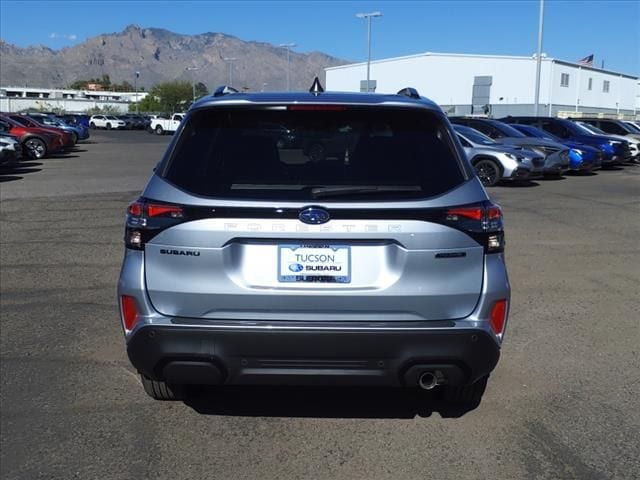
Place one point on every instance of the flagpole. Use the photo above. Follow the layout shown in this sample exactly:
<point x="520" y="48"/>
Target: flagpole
<point x="536" y="104"/>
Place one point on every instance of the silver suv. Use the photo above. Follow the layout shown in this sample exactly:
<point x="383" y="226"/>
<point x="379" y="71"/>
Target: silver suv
<point x="314" y="239"/>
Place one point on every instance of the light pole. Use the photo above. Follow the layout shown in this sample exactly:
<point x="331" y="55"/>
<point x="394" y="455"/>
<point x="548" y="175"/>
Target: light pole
<point x="288" y="46"/>
<point x="230" y="60"/>
<point x="193" y="84"/>
<point x="536" y="104"/>
<point x="368" y="16"/>
<point x="135" y="83"/>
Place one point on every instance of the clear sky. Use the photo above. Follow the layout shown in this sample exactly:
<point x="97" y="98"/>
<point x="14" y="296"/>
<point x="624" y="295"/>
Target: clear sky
<point x="610" y="29"/>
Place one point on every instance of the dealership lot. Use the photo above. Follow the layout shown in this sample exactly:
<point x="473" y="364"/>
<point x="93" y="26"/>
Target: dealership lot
<point x="562" y="402"/>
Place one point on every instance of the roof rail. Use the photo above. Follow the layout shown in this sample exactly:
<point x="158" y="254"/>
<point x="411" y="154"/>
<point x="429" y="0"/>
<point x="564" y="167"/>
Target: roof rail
<point x="224" y="90"/>
<point x="409" y="92"/>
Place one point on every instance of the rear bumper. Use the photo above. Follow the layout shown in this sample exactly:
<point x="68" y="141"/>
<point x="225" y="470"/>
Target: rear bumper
<point x="280" y="354"/>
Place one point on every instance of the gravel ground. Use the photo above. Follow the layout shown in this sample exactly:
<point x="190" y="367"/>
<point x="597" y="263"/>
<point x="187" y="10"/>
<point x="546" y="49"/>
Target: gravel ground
<point x="562" y="403"/>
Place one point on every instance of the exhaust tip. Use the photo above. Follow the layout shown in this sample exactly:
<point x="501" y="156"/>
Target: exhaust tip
<point x="428" y="380"/>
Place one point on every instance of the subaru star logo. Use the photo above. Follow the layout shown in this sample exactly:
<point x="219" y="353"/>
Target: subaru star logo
<point x="314" y="216"/>
<point x="295" y="267"/>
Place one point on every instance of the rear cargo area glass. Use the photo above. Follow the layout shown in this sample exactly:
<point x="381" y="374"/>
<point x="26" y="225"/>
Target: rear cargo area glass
<point x="298" y="152"/>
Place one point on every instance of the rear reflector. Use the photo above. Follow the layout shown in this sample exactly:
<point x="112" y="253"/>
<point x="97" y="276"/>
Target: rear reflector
<point x="129" y="311"/>
<point x="498" y="316"/>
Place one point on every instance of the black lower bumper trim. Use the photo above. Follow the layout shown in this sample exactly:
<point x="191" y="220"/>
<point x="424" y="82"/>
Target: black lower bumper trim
<point x="308" y="357"/>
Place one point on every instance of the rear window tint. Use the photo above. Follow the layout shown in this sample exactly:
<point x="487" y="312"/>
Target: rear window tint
<point x="287" y="154"/>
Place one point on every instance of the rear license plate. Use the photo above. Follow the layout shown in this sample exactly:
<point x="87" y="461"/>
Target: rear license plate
<point x="314" y="263"/>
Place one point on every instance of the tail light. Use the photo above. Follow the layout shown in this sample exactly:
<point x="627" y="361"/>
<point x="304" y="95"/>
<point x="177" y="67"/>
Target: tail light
<point x="145" y="219"/>
<point x="129" y="311"/>
<point x="482" y="222"/>
<point x="498" y="317"/>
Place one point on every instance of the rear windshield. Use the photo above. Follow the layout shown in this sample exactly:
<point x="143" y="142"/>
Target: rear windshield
<point x="306" y="153"/>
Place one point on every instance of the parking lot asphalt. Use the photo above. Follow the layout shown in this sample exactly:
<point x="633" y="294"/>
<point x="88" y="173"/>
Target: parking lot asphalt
<point x="562" y="403"/>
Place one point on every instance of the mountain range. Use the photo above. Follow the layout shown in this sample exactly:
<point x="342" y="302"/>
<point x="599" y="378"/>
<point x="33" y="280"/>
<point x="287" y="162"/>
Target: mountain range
<point x="160" y="55"/>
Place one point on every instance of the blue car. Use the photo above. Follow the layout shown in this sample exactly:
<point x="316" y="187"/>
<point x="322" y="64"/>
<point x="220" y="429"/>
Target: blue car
<point x="615" y="151"/>
<point x="78" y="132"/>
<point x="75" y="119"/>
<point x="581" y="157"/>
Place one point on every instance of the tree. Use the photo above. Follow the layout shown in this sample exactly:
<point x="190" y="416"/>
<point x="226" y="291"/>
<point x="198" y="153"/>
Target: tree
<point x="79" y="85"/>
<point x="174" y="96"/>
<point x="105" y="110"/>
<point x="147" y="104"/>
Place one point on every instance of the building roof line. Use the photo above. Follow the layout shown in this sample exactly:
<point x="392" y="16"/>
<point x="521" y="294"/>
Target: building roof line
<point x="475" y="55"/>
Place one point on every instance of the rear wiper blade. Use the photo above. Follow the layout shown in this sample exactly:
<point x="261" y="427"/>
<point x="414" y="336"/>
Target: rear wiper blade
<point x="352" y="189"/>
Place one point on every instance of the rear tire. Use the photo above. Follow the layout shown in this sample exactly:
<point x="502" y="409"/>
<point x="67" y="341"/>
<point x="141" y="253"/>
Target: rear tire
<point x="469" y="395"/>
<point x="159" y="130"/>
<point x="161" y="390"/>
<point x="92" y="126"/>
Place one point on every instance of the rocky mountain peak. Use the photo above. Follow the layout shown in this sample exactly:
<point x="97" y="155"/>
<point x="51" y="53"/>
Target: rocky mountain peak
<point x="161" y="55"/>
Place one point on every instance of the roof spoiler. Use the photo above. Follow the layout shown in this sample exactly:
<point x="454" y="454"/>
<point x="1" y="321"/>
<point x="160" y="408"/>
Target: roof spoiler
<point x="409" y="92"/>
<point x="224" y="90"/>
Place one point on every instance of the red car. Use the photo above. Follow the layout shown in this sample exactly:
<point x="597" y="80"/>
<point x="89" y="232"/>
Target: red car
<point x="67" y="138"/>
<point x="36" y="142"/>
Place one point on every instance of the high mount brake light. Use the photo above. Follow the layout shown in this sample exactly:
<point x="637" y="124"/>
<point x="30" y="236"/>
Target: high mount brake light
<point x="334" y="108"/>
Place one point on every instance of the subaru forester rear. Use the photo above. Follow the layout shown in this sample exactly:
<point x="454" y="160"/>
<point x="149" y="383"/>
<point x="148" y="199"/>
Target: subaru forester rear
<point x="314" y="239"/>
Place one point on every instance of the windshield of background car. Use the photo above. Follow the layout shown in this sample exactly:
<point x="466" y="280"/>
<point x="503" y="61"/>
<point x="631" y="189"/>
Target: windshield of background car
<point x="307" y="152"/>
<point x="475" y="136"/>
<point x="591" y="128"/>
<point x="507" y="130"/>
<point x="21" y="121"/>
<point x="633" y="127"/>
<point x="536" y="132"/>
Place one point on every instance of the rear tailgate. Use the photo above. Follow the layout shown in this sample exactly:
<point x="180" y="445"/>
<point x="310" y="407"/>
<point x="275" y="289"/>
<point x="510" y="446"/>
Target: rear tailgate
<point x="248" y="269"/>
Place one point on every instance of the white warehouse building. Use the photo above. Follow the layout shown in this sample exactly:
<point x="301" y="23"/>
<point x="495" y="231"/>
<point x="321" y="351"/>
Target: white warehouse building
<point x="495" y="85"/>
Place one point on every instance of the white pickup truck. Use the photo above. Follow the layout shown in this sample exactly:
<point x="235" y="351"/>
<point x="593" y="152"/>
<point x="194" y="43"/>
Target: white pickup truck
<point x="160" y="126"/>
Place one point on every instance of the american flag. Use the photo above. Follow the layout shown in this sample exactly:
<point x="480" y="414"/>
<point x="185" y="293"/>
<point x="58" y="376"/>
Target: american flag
<point x="587" y="61"/>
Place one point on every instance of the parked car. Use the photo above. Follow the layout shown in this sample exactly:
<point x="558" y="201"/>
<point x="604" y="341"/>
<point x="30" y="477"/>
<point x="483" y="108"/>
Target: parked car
<point x="36" y="142"/>
<point x="78" y="132"/>
<point x="67" y="138"/>
<point x="246" y="265"/>
<point x="134" y="122"/>
<point x="634" y="143"/>
<point x="160" y="126"/>
<point x="128" y="122"/>
<point x="556" y="155"/>
<point x="615" y="151"/>
<point x="106" y="121"/>
<point x="76" y="119"/>
<point x="581" y="157"/>
<point x="495" y="162"/>
<point x="610" y="126"/>
<point x="10" y="149"/>
<point x="634" y="125"/>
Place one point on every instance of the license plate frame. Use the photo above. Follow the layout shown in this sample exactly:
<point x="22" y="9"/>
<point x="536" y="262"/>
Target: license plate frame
<point x="289" y="273"/>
